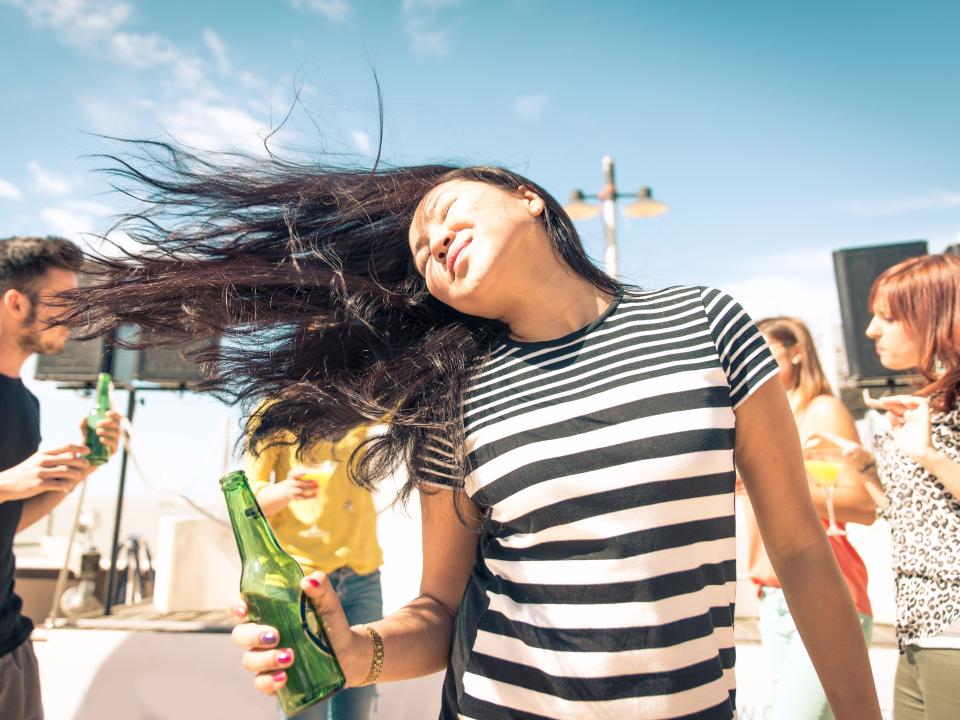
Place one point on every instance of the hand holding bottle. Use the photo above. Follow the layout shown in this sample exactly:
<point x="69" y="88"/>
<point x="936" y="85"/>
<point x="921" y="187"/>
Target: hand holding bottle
<point x="107" y="430"/>
<point x="268" y="658"/>
<point x="59" y="470"/>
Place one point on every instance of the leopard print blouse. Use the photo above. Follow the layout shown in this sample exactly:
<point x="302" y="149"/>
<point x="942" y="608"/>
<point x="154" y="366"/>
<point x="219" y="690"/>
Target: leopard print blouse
<point x="925" y="533"/>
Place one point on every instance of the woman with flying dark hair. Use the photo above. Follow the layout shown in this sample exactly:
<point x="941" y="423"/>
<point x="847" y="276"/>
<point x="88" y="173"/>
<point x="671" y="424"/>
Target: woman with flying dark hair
<point x="916" y="477"/>
<point x="572" y="440"/>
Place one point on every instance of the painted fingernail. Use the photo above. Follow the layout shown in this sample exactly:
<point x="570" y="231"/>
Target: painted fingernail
<point x="285" y="657"/>
<point x="279" y="677"/>
<point x="313" y="582"/>
<point x="268" y="638"/>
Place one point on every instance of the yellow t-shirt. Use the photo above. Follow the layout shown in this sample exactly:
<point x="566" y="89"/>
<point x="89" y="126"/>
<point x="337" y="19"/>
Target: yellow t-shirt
<point x="347" y="514"/>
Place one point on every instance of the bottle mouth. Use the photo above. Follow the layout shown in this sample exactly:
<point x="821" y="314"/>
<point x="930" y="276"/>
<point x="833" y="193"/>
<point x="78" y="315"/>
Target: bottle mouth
<point x="233" y="479"/>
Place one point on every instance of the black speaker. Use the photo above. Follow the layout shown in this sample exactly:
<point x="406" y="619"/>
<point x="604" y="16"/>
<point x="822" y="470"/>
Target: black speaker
<point x="168" y="366"/>
<point x="856" y="269"/>
<point x="78" y="362"/>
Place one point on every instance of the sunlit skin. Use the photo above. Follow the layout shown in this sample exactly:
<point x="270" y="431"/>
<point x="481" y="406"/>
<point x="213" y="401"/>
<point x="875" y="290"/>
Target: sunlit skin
<point x="897" y="344"/>
<point x="822" y="416"/>
<point x="485" y="252"/>
<point x="25" y="322"/>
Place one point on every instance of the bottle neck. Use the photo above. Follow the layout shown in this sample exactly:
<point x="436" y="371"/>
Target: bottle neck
<point x="103" y="393"/>
<point x="250" y="527"/>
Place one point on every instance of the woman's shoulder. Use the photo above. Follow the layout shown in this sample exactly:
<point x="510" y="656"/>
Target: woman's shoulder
<point x="827" y="413"/>
<point x="632" y="296"/>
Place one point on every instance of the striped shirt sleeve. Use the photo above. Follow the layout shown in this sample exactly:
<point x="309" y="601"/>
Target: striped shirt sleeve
<point x="744" y="355"/>
<point x="435" y="463"/>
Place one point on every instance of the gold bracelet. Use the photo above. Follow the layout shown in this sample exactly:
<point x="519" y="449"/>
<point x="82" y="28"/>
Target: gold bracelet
<point x="376" y="667"/>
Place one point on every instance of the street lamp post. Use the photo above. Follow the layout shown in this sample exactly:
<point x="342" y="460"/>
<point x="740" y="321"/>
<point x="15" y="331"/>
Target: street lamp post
<point x="643" y="206"/>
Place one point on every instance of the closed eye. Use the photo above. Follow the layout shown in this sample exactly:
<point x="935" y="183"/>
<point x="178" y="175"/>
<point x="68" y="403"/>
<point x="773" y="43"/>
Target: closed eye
<point x="446" y="208"/>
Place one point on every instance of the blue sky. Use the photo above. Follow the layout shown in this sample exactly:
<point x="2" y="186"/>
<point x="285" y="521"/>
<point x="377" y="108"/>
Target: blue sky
<point x="775" y="132"/>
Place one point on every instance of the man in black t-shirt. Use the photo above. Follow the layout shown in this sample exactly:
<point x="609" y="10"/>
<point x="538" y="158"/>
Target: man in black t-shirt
<point x="32" y="481"/>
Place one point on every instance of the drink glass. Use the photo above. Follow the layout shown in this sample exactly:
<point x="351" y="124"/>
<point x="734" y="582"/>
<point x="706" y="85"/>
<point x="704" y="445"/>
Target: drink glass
<point x="823" y="464"/>
<point x="320" y="474"/>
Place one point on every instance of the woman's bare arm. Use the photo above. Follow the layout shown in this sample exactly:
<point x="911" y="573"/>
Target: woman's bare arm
<point x="770" y="462"/>
<point x="417" y="637"/>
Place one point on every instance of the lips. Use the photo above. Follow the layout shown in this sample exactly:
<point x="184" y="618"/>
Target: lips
<point x="454" y="252"/>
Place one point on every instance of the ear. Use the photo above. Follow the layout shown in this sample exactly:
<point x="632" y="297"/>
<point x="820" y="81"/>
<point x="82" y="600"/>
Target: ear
<point x="535" y="203"/>
<point x="15" y="303"/>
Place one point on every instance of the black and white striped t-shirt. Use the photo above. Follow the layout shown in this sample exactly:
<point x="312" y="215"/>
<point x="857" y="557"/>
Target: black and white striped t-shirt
<point x="605" y="579"/>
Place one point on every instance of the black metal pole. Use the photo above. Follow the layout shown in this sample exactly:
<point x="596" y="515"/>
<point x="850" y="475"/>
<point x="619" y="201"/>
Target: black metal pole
<point x="114" y="546"/>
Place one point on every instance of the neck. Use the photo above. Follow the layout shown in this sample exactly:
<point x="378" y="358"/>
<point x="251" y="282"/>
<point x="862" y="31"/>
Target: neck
<point x="557" y="304"/>
<point x="12" y="356"/>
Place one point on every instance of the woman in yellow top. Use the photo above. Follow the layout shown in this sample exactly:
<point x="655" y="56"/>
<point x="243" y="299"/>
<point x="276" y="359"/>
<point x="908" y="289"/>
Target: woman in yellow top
<point x="329" y="526"/>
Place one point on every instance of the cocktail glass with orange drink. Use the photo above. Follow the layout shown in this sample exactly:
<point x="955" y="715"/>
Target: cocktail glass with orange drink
<point x="823" y="464"/>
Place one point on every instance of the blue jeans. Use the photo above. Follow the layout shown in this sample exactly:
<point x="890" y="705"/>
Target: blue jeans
<point x="799" y="695"/>
<point x="363" y="603"/>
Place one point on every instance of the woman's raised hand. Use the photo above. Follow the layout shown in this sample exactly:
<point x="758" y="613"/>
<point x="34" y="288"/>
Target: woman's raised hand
<point x="910" y="418"/>
<point x="267" y="658"/>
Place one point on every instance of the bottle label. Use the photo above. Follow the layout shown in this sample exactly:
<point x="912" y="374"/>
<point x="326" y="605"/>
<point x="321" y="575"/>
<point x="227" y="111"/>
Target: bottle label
<point x="311" y="624"/>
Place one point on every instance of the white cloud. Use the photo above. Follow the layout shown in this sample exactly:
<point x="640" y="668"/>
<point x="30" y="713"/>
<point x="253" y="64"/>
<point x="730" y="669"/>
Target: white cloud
<point x="421" y="26"/>
<point x="76" y="218"/>
<point x="9" y="191"/>
<point x="152" y="51"/>
<point x="76" y="22"/>
<point x="530" y="107"/>
<point x="97" y="27"/>
<point x="937" y="200"/>
<point x="211" y="126"/>
<point x="335" y="10"/>
<point x="361" y="141"/>
<point x="217" y="49"/>
<point x="46" y="182"/>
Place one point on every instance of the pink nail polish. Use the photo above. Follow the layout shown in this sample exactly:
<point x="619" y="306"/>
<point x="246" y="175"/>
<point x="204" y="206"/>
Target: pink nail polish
<point x="313" y="582"/>
<point x="285" y="657"/>
<point x="279" y="677"/>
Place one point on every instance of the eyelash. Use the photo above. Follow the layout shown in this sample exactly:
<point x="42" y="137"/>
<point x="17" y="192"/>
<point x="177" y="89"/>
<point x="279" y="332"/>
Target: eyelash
<point x="446" y="210"/>
<point x="442" y="219"/>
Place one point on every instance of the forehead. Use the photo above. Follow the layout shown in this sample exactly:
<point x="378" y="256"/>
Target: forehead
<point x="56" y="280"/>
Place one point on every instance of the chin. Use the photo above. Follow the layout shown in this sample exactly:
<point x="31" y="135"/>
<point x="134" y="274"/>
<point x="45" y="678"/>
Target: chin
<point x="54" y="347"/>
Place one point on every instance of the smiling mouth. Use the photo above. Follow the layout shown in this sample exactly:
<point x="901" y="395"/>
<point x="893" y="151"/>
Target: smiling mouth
<point x="455" y="253"/>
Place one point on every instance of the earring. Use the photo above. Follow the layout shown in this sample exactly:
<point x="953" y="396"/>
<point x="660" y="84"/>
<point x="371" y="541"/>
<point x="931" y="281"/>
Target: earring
<point x="938" y="366"/>
<point x="795" y="360"/>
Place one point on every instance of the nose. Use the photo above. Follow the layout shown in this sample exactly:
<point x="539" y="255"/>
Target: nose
<point x="873" y="331"/>
<point x="440" y="239"/>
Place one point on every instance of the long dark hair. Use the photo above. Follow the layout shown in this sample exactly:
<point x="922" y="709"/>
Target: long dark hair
<point x="924" y="293"/>
<point x="305" y="274"/>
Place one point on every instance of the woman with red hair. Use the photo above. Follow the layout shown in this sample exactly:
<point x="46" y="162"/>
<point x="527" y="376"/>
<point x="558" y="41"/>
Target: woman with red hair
<point x="916" y="325"/>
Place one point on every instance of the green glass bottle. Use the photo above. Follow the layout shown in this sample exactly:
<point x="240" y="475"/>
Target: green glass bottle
<point x="99" y="453"/>
<point x="270" y="585"/>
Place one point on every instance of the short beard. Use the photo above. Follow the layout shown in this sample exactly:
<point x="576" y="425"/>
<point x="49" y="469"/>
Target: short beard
<point x="30" y="341"/>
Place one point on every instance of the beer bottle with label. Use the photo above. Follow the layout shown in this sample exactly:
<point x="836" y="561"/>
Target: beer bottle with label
<point x="270" y="585"/>
<point x="99" y="453"/>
